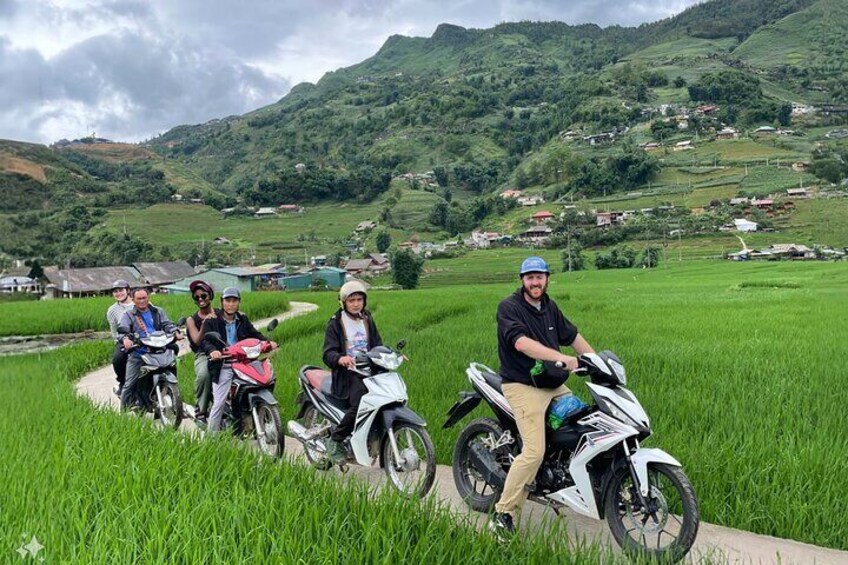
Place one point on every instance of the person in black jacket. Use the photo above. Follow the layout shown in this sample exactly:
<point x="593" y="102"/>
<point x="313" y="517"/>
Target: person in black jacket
<point x="232" y="326"/>
<point x="351" y="330"/>
<point x="531" y="329"/>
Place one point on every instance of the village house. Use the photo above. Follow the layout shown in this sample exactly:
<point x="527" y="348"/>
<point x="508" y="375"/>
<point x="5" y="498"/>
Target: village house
<point x="784" y="251"/>
<point x="511" y="193"/>
<point x="798" y="193"/>
<point x="741" y="201"/>
<point x="290" y="209"/>
<point x="163" y="273"/>
<point x="763" y="204"/>
<point x="531" y="200"/>
<point x="764" y="131"/>
<point x="365" y="226"/>
<point x="684" y="145"/>
<point x="69" y="283"/>
<point x="608" y="219"/>
<point x="542" y="217"/>
<point x="600" y="139"/>
<point x="727" y="133"/>
<point x="743" y="225"/>
<point x="19" y="283"/>
<point x="265" y="212"/>
<point x="800" y="166"/>
<point x="536" y="235"/>
<point x="651" y="146"/>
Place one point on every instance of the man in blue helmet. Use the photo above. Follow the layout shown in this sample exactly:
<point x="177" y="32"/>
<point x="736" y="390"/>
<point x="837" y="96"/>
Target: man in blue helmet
<point x="531" y="329"/>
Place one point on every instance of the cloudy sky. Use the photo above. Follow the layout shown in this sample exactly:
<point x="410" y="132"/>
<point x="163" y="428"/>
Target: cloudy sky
<point x="132" y="69"/>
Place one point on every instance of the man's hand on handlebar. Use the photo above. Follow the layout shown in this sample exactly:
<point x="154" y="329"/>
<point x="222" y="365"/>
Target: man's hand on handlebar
<point x="570" y="363"/>
<point x="127" y="343"/>
<point x="215" y="355"/>
<point x="347" y="362"/>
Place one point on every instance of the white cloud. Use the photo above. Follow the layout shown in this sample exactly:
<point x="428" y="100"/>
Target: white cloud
<point x="130" y="69"/>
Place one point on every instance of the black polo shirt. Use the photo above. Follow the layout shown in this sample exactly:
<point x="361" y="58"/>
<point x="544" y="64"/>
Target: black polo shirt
<point x="518" y="318"/>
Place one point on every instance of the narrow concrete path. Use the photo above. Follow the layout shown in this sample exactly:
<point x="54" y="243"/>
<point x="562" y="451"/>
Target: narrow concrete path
<point x="717" y="544"/>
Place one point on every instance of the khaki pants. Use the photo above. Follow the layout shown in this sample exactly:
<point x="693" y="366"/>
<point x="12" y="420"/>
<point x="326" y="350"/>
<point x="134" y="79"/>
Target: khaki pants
<point x="529" y="405"/>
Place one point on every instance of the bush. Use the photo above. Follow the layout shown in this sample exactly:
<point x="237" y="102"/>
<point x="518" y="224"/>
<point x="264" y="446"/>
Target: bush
<point x="619" y="257"/>
<point x="406" y="268"/>
<point x="572" y="258"/>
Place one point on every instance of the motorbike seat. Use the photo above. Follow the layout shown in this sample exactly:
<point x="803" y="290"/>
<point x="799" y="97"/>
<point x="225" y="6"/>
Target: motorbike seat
<point x="493" y="380"/>
<point x="320" y="379"/>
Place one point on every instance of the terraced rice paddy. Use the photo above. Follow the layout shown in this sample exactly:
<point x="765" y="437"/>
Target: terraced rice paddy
<point x="739" y="366"/>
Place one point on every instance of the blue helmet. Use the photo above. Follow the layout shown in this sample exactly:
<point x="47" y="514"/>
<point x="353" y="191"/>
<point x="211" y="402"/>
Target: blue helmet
<point x="534" y="265"/>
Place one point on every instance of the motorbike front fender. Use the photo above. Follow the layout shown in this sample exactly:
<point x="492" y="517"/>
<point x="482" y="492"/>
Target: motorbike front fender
<point x="640" y="459"/>
<point x="458" y="411"/>
<point x="167" y="376"/>
<point x="403" y="414"/>
<point x="261" y="396"/>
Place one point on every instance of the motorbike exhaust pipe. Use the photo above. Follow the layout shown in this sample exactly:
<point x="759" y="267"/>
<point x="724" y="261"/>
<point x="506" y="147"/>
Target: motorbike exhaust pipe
<point x="484" y="463"/>
<point x="297" y="430"/>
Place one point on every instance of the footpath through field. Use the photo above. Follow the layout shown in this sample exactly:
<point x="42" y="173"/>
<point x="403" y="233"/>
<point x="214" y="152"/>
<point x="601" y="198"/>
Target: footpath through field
<point x="714" y="543"/>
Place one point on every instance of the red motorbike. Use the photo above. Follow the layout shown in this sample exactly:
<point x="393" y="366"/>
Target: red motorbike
<point x="251" y="409"/>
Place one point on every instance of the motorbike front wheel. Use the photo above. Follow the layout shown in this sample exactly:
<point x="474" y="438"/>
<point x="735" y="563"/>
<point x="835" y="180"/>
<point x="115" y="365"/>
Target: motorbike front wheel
<point x="169" y="405"/>
<point x="270" y="435"/>
<point x="665" y="529"/>
<point x="470" y="484"/>
<point x="414" y="471"/>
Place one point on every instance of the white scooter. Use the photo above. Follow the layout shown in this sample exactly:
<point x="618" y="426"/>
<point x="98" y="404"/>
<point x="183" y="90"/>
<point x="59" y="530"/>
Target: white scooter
<point x="594" y="462"/>
<point x="385" y="427"/>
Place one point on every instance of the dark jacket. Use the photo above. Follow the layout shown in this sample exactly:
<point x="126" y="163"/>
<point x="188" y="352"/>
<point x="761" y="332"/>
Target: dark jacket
<point x="335" y="349"/>
<point x="244" y="330"/>
<point x="518" y="318"/>
<point x="130" y="323"/>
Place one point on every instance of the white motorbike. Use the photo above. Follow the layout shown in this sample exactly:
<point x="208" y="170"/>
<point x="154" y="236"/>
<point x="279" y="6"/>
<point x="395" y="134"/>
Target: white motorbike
<point x="593" y="463"/>
<point x="385" y="427"/>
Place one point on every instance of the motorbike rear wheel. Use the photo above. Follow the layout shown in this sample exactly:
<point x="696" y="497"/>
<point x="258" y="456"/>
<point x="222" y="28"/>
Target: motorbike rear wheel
<point x="471" y="486"/>
<point x="312" y="418"/>
<point x="665" y="530"/>
<point x="272" y="440"/>
<point x="170" y="409"/>
<point x="416" y="449"/>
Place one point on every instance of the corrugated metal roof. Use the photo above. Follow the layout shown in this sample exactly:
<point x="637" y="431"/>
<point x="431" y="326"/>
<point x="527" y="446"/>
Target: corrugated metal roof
<point x="96" y="279"/>
<point x="357" y="264"/>
<point x="164" y="272"/>
<point x="248" y="271"/>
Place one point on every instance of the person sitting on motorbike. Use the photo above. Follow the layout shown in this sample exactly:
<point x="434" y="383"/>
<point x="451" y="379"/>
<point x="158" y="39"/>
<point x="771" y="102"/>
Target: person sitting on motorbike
<point x="531" y="328"/>
<point x="143" y="319"/>
<point x="233" y="326"/>
<point x="202" y="294"/>
<point x="123" y="303"/>
<point x="350" y="331"/>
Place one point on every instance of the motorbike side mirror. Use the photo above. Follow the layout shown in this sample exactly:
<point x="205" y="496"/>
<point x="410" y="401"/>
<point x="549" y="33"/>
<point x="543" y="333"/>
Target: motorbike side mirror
<point x="181" y="322"/>
<point x="401" y="344"/>
<point x="273" y="325"/>
<point x="123" y="330"/>
<point x="214" y="336"/>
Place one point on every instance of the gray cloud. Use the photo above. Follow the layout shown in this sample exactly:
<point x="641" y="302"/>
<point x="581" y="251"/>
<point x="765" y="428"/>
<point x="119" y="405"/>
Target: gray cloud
<point x="130" y="69"/>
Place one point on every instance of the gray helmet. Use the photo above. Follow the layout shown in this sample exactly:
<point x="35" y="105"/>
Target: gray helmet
<point x="231" y="292"/>
<point x="120" y="283"/>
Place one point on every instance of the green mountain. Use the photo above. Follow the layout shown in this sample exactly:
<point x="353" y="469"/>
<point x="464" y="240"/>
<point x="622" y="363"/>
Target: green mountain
<point x="483" y="109"/>
<point x="488" y="98"/>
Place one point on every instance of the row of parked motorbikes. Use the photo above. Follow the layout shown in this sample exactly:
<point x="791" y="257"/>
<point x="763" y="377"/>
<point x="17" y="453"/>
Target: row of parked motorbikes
<point x="594" y="463"/>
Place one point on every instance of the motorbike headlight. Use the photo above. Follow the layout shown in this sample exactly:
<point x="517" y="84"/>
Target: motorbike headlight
<point x="616" y="412"/>
<point x="252" y="352"/>
<point x="618" y="369"/>
<point x="388" y="361"/>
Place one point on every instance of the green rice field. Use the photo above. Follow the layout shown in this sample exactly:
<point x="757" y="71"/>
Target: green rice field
<point x="78" y="315"/>
<point x="95" y="486"/>
<point x="738" y="364"/>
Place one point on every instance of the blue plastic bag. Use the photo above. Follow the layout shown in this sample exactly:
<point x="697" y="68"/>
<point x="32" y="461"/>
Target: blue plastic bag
<point x="563" y="407"/>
